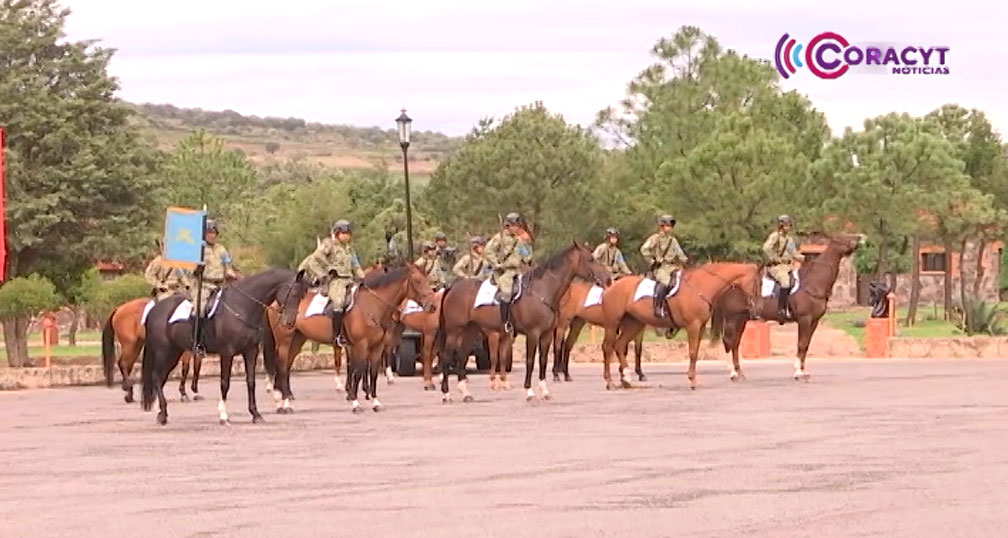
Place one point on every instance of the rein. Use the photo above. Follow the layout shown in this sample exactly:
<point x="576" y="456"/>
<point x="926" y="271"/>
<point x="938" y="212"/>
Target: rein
<point x="279" y="309"/>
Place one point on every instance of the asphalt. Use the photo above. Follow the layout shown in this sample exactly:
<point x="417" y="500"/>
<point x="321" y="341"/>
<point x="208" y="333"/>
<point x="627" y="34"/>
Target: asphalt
<point x="864" y="448"/>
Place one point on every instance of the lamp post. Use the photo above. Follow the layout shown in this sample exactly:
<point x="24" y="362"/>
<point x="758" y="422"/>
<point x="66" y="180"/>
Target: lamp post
<point x="404" y="122"/>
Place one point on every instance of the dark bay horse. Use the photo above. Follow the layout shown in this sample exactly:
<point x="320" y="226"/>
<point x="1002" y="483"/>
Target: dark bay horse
<point x="233" y="329"/>
<point x="808" y="303"/>
<point x="534" y="314"/>
<point x="690" y="307"/>
<point x="572" y="318"/>
<point x="281" y="344"/>
<point x="367" y="324"/>
<point x="123" y="326"/>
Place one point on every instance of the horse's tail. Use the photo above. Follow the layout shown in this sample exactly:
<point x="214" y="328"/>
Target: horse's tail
<point x="108" y="349"/>
<point x="269" y="350"/>
<point x="147" y="378"/>
<point x="717" y="321"/>
<point x="441" y="334"/>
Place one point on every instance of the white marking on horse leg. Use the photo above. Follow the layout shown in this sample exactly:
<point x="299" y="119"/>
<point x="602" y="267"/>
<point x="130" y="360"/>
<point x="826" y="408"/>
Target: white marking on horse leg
<point x="375" y="404"/>
<point x="624" y="377"/>
<point x="339" y="382"/>
<point x="798" y="372"/>
<point x="544" y="390"/>
<point x="388" y="375"/>
<point x="286" y="403"/>
<point x="445" y="397"/>
<point x="356" y="404"/>
<point x="530" y="395"/>
<point x="222" y="409"/>
<point x="277" y="397"/>
<point x="269" y="384"/>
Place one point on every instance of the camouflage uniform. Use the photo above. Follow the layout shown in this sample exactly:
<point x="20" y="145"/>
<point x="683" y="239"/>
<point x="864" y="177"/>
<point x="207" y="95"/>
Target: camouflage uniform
<point x="780" y="251"/>
<point x="217" y="267"/>
<point x="507" y="255"/>
<point x="429" y="264"/>
<point x="473" y="264"/>
<point x="164" y="281"/>
<point x="336" y="262"/>
<point x="662" y="250"/>
<point x="443" y="259"/>
<point x="610" y="257"/>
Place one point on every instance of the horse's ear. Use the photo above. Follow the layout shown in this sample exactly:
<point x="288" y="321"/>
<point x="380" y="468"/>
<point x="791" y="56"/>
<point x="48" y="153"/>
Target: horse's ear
<point x="300" y="276"/>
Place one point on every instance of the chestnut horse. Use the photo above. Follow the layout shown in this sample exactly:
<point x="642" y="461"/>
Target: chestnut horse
<point x="123" y="326"/>
<point x="368" y="321"/>
<point x="808" y="303"/>
<point x="534" y="314"/>
<point x="572" y="318"/>
<point x="690" y="308"/>
<point x="282" y="344"/>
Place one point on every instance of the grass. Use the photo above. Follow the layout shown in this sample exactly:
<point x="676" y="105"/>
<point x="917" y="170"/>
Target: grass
<point x="925" y="327"/>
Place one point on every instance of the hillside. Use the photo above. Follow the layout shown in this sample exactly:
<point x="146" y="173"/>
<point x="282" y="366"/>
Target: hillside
<point x="262" y="139"/>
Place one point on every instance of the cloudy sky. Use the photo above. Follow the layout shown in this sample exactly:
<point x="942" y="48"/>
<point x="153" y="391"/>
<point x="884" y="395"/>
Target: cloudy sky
<point x="451" y="62"/>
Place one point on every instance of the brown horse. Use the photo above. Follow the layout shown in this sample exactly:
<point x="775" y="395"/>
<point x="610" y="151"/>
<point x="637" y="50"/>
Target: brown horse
<point x="690" y="307"/>
<point x="425" y="323"/>
<point x="572" y="318"/>
<point x="368" y="321"/>
<point x="534" y="314"/>
<point x="123" y="326"/>
<point x="281" y="344"/>
<point x="808" y="302"/>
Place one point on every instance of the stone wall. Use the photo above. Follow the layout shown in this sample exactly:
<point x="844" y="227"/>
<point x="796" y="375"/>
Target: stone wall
<point x="933" y="283"/>
<point x="973" y="347"/>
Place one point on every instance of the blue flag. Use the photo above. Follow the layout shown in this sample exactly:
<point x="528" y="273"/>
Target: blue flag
<point x="183" y="239"/>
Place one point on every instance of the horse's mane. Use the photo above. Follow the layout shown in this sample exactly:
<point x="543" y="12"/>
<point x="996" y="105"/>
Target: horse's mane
<point x="556" y="261"/>
<point x="266" y="274"/>
<point x="392" y="276"/>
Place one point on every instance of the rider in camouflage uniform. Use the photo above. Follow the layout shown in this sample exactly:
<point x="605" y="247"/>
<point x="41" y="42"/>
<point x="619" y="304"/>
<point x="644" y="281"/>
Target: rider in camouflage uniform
<point x="428" y="263"/>
<point x="608" y="254"/>
<point x="164" y="281"/>
<point x="662" y="250"/>
<point x="507" y="255"/>
<point x="217" y="267"/>
<point x="335" y="260"/>
<point x="473" y="264"/>
<point x="445" y="258"/>
<point x="780" y="251"/>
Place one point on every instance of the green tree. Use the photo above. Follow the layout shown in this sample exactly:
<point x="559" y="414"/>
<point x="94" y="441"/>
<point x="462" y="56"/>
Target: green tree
<point x="105" y="295"/>
<point x="531" y="162"/>
<point x="20" y="299"/>
<point x="78" y="176"/>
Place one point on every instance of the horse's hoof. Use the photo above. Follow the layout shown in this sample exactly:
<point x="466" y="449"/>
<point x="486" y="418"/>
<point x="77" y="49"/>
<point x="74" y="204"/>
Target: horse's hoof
<point x="556" y="378"/>
<point x="284" y="410"/>
<point x="547" y="397"/>
<point x="468" y="398"/>
<point x="162" y="418"/>
<point x="348" y="398"/>
<point x="626" y="384"/>
<point x="256" y="419"/>
<point x="608" y="386"/>
<point x="291" y="397"/>
<point x="430" y="386"/>
<point x="377" y="408"/>
<point x="568" y="378"/>
<point x="530" y="398"/>
<point x="197" y="397"/>
<point x="358" y="410"/>
<point x="225" y="422"/>
<point x="641" y="377"/>
<point x="390" y="380"/>
<point x="128" y="398"/>
<point x="184" y="398"/>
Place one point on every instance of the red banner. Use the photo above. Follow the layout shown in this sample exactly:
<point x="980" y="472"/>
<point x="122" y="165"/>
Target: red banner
<point x="3" y="218"/>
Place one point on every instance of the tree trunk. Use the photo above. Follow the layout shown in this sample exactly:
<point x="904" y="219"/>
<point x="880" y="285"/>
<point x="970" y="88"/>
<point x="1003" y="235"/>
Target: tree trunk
<point x="16" y="340"/>
<point x="915" y="285"/>
<point x="948" y="281"/>
<point x="962" y="283"/>
<point x="980" y="269"/>
<point x="883" y="261"/>
<point x="74" y="322"/>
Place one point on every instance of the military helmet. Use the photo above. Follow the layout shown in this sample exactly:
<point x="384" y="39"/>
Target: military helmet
<point x="784" y="219"/>
<point x="666" y="220"/>
<point x="211" y="225"/>
<point x="440" y="236"/>
<point x="612" y="232"/>
<point x="341" y="226"/>
<point x="513" y="218"/>
<point x="428" y="245"/>
<point x="477" y="241"/>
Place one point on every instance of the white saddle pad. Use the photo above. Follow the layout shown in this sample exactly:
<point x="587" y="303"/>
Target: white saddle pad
<point x="769" y="283"/>
<point x="485" y="295"/>
<point x="317" y="305"/>
<point x="146" y="310"/>
<point x="182" y="312"/>
<point x="646" y="288"/>
<point x="594" y="296"/>
<point x="411" y="307"/>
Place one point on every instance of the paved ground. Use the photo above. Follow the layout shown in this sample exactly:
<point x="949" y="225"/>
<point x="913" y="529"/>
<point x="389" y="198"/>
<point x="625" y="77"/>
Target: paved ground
<point x="866" y="448"/>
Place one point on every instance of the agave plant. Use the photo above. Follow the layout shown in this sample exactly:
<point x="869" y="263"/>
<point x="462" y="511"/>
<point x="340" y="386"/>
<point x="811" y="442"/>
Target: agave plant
<point x="981" y="317"/>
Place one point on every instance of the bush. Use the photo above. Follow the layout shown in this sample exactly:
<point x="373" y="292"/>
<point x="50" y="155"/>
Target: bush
<point x="272" y="147"/>
<point x="27" y="296"/>
<point x="981" y="318"/>
<point x="112" y="293"/>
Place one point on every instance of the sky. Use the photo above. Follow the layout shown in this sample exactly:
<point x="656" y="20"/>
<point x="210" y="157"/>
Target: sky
<point x="451" y="62"/>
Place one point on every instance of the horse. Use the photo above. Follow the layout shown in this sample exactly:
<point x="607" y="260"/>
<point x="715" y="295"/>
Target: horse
<point x="368" y="321"/>
<point x="572" y="317"/>
<point x="689" y="307"/>
<point x="808" y="302"/>
<point x="534" y="313"/>
<point x="233" y="328"/>
<point x="281" y="344"/>
<point x="123" y="326"/>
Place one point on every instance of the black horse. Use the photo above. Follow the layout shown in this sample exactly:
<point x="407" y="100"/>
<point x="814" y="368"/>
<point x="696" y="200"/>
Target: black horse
<point x="233" y="329"/>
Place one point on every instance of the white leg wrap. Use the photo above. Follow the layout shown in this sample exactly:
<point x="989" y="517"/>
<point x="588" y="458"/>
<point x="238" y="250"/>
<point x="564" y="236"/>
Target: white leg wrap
<point x="356" y="404"/>
<point x="388" y="372"/>
<point x="375" y="403"/>
<point x="277" y="396"/>
<point x="530" y="394"/>
<point x="222" y="409"/>
<point x="463" y="387"/>
<point x="543" y="389"/>
<point x="286" y="403"/>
